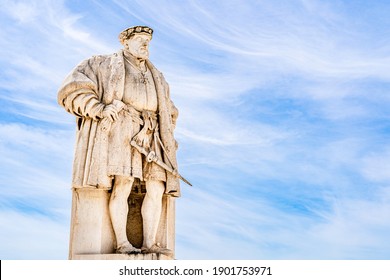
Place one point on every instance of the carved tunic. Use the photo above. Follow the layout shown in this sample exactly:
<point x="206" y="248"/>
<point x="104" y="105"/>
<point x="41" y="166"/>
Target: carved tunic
<point x="140" y="91"/>
<point x="141" y="97"/>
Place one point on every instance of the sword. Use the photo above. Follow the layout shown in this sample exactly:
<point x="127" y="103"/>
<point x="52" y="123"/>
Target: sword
<point x="152" y="157"/>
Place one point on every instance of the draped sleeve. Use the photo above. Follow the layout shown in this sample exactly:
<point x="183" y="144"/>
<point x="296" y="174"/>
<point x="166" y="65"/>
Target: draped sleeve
<point x="79" y="93"/>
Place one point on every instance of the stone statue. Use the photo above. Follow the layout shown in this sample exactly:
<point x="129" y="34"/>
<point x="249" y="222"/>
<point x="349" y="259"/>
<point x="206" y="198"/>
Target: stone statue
<point x="125" y="124"/>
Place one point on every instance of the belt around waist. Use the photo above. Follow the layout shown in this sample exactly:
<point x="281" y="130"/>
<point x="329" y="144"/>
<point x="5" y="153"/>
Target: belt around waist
<point x="140" y="116"/>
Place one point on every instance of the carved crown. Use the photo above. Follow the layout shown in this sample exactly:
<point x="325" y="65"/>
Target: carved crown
<point x="127" y="33"/>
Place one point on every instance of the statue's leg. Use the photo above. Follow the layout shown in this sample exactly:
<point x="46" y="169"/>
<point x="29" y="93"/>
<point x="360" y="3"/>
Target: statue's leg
<point x="118" y="213"/>
<point x="151" y="213"/>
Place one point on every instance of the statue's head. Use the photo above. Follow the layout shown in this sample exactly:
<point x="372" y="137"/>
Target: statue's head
<point x="136" y="40"/>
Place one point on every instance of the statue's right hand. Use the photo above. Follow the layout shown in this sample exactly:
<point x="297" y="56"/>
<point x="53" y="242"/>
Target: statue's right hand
<point x="110" y="112"/>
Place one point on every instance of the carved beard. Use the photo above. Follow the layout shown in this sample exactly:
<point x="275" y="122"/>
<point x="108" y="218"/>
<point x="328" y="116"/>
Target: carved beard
<point x="142" y="53"/>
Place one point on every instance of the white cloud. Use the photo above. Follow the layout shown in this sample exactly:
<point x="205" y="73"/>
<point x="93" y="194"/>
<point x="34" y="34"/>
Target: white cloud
<point x="36" y="163"/>
<point x="356" y="229"/>
<point x="29" y="237"/>
<point x="23" y="12"/>
<point x="253" y="228"/>
<point x="376" y="166"/>
<point x="300" y="42"/>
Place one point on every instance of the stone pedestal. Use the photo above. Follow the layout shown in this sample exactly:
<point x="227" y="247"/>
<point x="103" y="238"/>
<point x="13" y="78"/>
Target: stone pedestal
<point x="132" y="257"/>
<point x="92" y="236"/>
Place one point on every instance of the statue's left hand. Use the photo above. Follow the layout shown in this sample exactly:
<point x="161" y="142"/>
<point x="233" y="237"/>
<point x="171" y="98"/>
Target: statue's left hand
<point x="110" y="112"/>
<point x="119" y="105"/>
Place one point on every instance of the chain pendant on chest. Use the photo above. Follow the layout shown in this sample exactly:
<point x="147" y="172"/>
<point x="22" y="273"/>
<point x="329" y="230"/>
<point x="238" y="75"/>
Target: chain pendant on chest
<point x="143" y="79"/>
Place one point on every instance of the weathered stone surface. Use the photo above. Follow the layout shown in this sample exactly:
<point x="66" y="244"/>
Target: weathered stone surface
<point x="125" y="176"/>
<point x="133" y="257"/>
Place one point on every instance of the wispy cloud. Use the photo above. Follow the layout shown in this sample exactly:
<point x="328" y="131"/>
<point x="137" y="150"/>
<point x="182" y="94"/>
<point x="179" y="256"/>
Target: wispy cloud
<point x="28" y="237"/>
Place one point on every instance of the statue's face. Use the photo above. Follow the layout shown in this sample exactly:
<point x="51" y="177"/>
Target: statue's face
<point x="138" y="45"/>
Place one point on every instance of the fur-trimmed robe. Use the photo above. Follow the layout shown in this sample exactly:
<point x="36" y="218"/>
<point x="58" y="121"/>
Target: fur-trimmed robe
<point x="97" y="82"/>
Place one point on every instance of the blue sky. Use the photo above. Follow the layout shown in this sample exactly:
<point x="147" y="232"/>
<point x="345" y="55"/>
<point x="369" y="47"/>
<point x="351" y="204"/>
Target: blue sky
<point x="284" y="126"/>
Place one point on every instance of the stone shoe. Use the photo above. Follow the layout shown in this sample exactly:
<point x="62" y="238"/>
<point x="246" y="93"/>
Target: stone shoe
<point x="127" y="248"/>
<point x="156" y="249"/>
